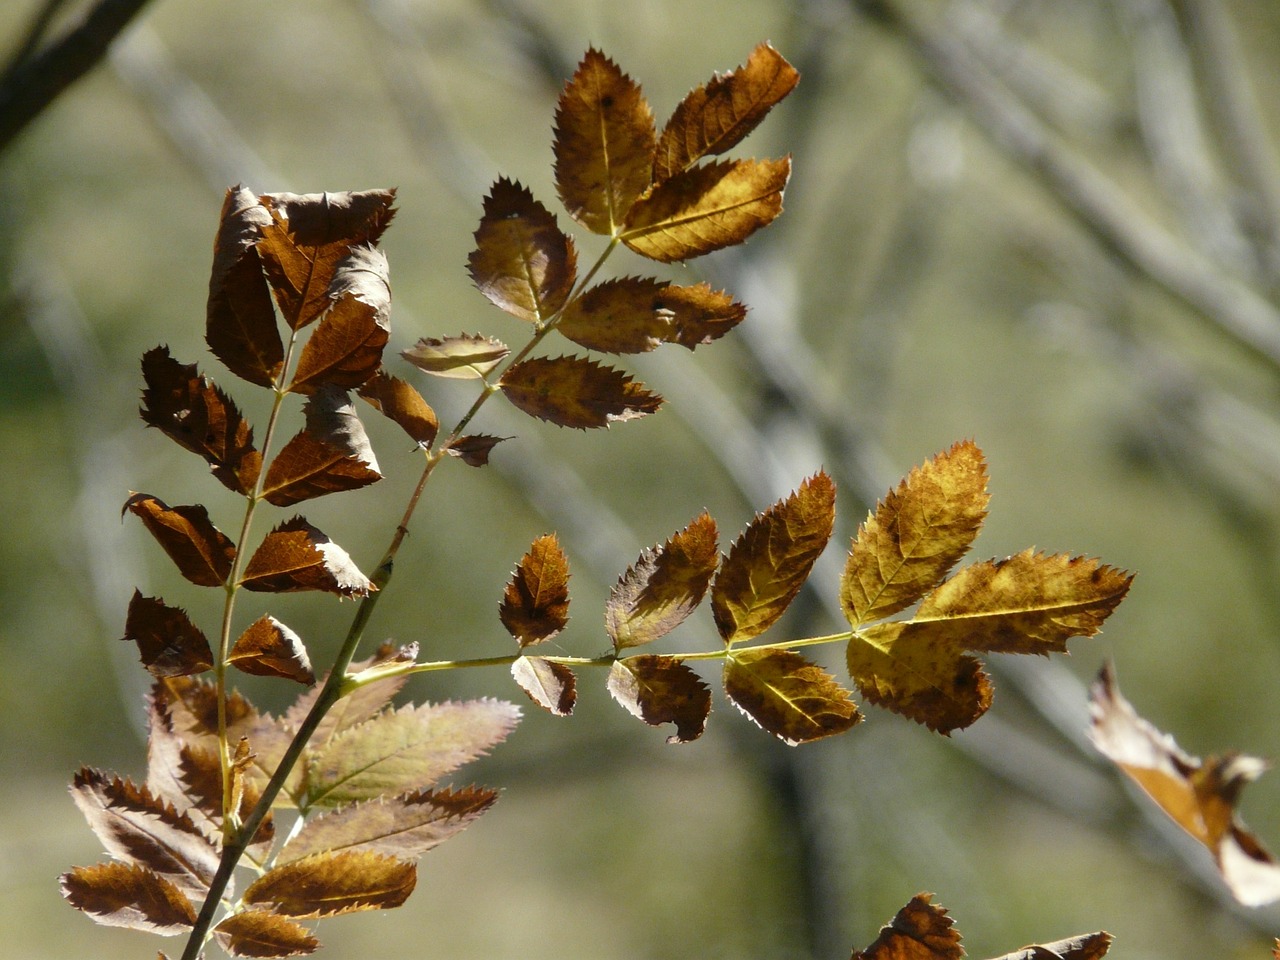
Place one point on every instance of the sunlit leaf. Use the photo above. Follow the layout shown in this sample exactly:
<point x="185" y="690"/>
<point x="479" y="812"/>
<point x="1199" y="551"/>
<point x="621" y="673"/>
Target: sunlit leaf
<point x="199" y="549"/>
<point x="662" y="690"/>
<point x="535" y="602"/>
<point x="297" y="556"/>
<point x="575" y="392"/>
<point x="634" y="315"/>
<point x="262" y="933"/>
<point x="789" y="697"/>
<point x="127" y="895"/>
<point x="362" y="703"/>
<point x="268" y="648"/>
<point x="1087" y="946"/>
<point x="170" y="644"/>
<point x="550" y="685"/>
<point x="464" y="357"/>
<point x="200" y="774"/>
<point x="329" y="884"/>
<point x="474" y="450"/>
<point x="920" y="931"/>
<point x="330" y="455"/>
<point x="402" y="404"/>
<point x="346" y="348"/>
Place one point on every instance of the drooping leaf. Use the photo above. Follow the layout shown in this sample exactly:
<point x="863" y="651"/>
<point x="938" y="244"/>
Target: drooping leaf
<point x="535" y="602"/>
<point x="128" y="895"/>
<point x="920" y="931"/>
<point x="474" y="450"/>
<point x="916" y="535"/>
<point x="522" y="263"/>
<point x="706" y="208"/>
<point x="240" y="325"/>
<point x="261" y="933"/>
<point x="604" y="142"/>
<point x="467" y="356"/>
<point x="399" y="402"/>
<point x="769" y="563"/>
<point x="787" y="696"/>
<point x="408" y="749"/>
<point x="197" y="415"/>
<point x="268" y="648"/>
<point x="662" y="690"/>
<point x="550" y="685"/>
<point x="346" y="348"/>
<point x="297" y="556"/>
<point x="575" y="392"/>
<point x="663" y="587"/>
<point x="329" y="884"/>
<point x="715" y="117"/>
<point x="330" y="455"/>
<point x="200" y="551"/>
<point x="170" y="644"/>
<point x="1200" y="796"/>
<point x="635" y="315"/>
<point x="405" y="827"/>
<point x="1087" y="946"/>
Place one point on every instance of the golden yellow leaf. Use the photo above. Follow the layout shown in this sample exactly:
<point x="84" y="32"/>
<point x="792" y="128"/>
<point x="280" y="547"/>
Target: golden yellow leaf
<point x="635" y="315"/>
<point x="575" y="392"/>
<point x="662" y="690"/>
<point x="789" y="697"/>
<point x="328" y="884"/>
<point x="261" y="933"/>
<point x="127" y="895"/>
<point x="535" y="602"/>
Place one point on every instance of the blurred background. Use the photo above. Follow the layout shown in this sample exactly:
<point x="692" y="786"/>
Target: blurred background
<point x="1051" y="227"/>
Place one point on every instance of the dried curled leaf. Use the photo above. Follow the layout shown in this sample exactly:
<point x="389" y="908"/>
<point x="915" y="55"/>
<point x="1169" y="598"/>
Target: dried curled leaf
<point x="535" y="603"/>
<point x="329" y="884"/>
<point x="261" y="933"/>
<point x="474" y="450"/>
<point x="402" y="404"/>
<point x="574" y="392"/>
<point x="297" y="556"/>
<point x="662" y="690"/>
<point x="200" y="551"/>
<point x="268" y="648"/>
<point x="128" y="895"/>
<point x="550" y="685"/>
<point x="919" y="931"/>
<point x="330" y="455"/>
<point x="789" y="697"/>
<point x="464" y="357"/>
<point x="635" y="315"/>
<point x="170" y="644"/>
<point x="1087" y="946"/>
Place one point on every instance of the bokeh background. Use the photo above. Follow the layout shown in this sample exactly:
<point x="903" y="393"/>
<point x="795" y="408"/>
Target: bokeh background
<point x="1051" y="227"/>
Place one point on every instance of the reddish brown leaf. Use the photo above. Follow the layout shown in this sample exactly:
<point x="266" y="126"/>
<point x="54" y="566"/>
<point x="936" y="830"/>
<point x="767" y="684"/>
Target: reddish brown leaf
<point x="663" y="587"/>
<point x="715" y="117"/>
<point x="297" y="556"/>
<point x="550" y="685"/>
<point x="769" y="563"/>
<point x="662" y="690"/>
<point x="467" y="356"/>
<point x="329" y="884"/>
<point x="404" y="405"/>
<point x="474" y="450"/>
<point x="170" y="644"/>
<point x="604" y="141"/>
<point x="261" y="933"/>
<point x="201" y="780"/>
<point x="199" y="550"/>
<point x="1087" y="946"/>
<point x="268" y="648"/>
<point x="346" y="348"/>
<point x="535" y="603"/>
<point x="634" y="315"/>
<point x="789" y="697"/>
<point x="920" y="931"/>
<point x="193" y="412"/>
<point x="330" y="455"/>
<point x="127" y="895"/>
<point x="573" y="392"/>
<point x="706" y="208"/>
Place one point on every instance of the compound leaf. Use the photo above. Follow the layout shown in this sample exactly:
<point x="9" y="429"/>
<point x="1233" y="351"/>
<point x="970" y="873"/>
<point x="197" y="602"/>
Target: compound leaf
<point x="329" y="884"/>
<point x="128" y="895"/>
<point x="297" y="556"/>
<point x="401" y="403"/>
<point x="268" y="648"/>
<point x="170" y="644"/>
<point x="200" y="551"/>
<point x="550" y="685"/>
<point x="662" y="690"/>
<point x="262" y="933"/>
<point x="467" y="356"/>
<point x="575" y="392"/>
<point x="789" y="697"/>
<point x="535" y="603"/>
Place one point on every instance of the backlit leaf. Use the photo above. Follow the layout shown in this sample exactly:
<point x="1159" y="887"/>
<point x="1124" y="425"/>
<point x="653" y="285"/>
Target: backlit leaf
<point x="297" y="556"/>
<point x="706" y="208"/>
<point x="201" y="778"/>
<point x="715" y="117"/>
<point x="402" y="404"/>
<point x="474" y="450"/>
<point x="789" y="697"/>
<point x="1087" y="946"/>
<point x="331" y="454"/>
<point x="362" y="703"/>
<point x="920" y="931"/>
<point x="574" y="392"/>
<point x="261" y="933"/>
<point x="329" y="884"/>
<point x="535" y="602"/>
<point x="1199" y="796"/>
<point x="662" y="690"/>
<point x="769" y="563"/>
<point x="268" y="648"/>
<point x="170" y="644"/>
<point x="663" y="587"/>
<point x="193" y="412"/>
<point x="467" y="356"/>
<point x="915" y="535"/>
<point x="522" y="263"/>
<point x="550" y="685"/>
<point x="604" y="141"/>
<point x="346" y="348"/>
<point x="700" y="314"/>
<point x="127" y="895"/>
<point x="199" y="549"/>
<point x="634" y="315"/>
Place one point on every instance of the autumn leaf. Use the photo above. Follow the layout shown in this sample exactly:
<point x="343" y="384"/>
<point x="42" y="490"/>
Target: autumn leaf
<point x="467" y="356"/>
<point x="920" y="931"/>
<point x="663" y="586"/>
<point x="346" y="348"/>
<point x="170" y="644"/>
<point x="401" y="403"/>
<point x="200" y="776"/>
<point x="715" y="117"/>
<point x="535" y="602"/>
<point x="329" y="884"/>
<point x="550" y="685"/>
<point x="473" y="450"/>
<point x="128" y="895"/>
<point x="574" y="392"/>
<point x="297" y="556"/>
<point x="262" y="933"/>
<point x="268" y="648"/>
<point x="662" y="690"/>
<point x="788" y="696"/>
<point x="769" y="563"/>
<point x="330" y="455"/>
<point x="1088" y="946"/>
<point x="603" y="145"/>
<point x="1199" y="796"/>
<point x="200" y="551"/>
<point x="635" y="315"/>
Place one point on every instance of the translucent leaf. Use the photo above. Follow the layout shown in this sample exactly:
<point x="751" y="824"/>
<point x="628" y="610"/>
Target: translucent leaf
<point x="261" y="933"/>
<point x="715" y="117"/>
<point x="201" y="779"/>
<point x="127" y="895"/>
<point x="170" y="644"/>
<point x="1199" y="796"/>
<point x="297" y="556"/>
<point x="474" y="450"/>
<point x="329" y="884"/>
<point x="663" y="587"/>
<point x="359" y="705"/>
<point x="535" y="602"/>
<point x="268" y="648"/>
<point x="194" y="413"/>
<point x="915" y="535"/>
<point x="346" y="348"/>
<point x="634" y="315"/>
<point x="920" y="931"/>
<point x="408" y="749"/>
<point x="573" y="392"/>
<point x="550" y="685"/>
<point x="402" y="404"/>
<point x="522" y="263"/>
<point x="1087" y="946"/>
<point x="662" y="690"/>
<point x="789" y="697"/>
<point x="706" y="208"/>
<point x="199" y="550"/>
<point x="604" y="141"/>
<point x="330" y="455"/>
<point x="464" y="357"/>
<point x="769" y="563"/>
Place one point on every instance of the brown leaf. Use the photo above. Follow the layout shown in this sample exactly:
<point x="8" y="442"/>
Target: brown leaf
<point x="474" y="450"/>
<point x="663" y="587"/>
<point x="522" y="263"/>
<point x="346" y="348"/>
<point x="574" y="392"/>
<point x="789" y="697"/>
<point x="329" y="884"/>
<point x="330" y="455"/>
<point x="127" y="895"/>
<point x="700" y="314"/>
<point x="1087" y="946"/>
<point x="662" y="690"/>
<point x="268" y="648"/>
<point x="193" y="412"/>
<point x="535" y="603"/>
<point x="170" y="644"/>
<point x="201" y="780"/>
<point x="706" y="208"/>
<point x="1199" y="796"/>
<point x="550" y="685"/>
<point x="635" y="315"/>
<point x="604" y="141"/>
<point x="261" y="933"/>
<point x="467" y="356"/>
<point x="920" y="931"/>
<point x="402" y="404"/>
<point x="241" y="322"/>
<point x="769" y="563"/>
<point x="200" y="551"/>
<point x="715" y="117"/>
<point x="297" y="556"/>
